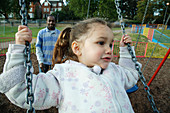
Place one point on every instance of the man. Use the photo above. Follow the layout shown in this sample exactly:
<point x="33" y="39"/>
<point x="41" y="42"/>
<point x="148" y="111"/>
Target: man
<point x="46" y="39"/>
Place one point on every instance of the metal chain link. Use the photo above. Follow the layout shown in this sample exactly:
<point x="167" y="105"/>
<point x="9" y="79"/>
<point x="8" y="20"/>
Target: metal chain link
<point x="120" y="17"/>
<point x="142" y="22"/>
<point x="23" y="12"/>
<point x="27" y="63"/>
<point x="142" y="78"/>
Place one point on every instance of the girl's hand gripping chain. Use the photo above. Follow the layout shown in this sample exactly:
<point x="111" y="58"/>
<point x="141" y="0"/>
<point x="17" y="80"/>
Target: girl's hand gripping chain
<point x="24" y="34"/>
<point x="125" y="39"/>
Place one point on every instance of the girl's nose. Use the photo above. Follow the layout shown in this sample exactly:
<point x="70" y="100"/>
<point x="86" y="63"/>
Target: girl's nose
<point x="108" y="50"/>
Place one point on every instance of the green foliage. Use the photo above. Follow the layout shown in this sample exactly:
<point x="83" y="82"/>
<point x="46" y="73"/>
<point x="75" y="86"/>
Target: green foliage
<point x="132" y="22"/>
<point x="98" y="8"/>
<point x="161" y="7"/>
<point x="15" y="8"/>
<point x="107" y="10"/>
<point x="128" y="8"/>
<point x="5" y="8"/>
<point x="12" y="6"/>
<point x="154" y="6"/>
<point x="65" y="14"/>
<point x="141" y="10"/>
<point x="38" y="12"/>
<point x="79" y="7"/>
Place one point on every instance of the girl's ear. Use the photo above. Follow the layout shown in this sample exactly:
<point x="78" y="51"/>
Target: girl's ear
<point x="76" y="48"/>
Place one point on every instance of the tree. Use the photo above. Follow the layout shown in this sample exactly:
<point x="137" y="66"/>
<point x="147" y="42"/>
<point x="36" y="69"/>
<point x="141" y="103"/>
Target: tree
<point x="12" y="6"/>
<point x="141" y="10"/>
<point x="79" y="7"/>
<point x="65" y="14"/>
<point x="5" y="8"/>
<point x="37" y="12"/>
<point x="15" y="8"/>
<point x="98" y="8"/>
<point x="128" y="8"/>
<point x="155" y="7"/>
<point x="161" y="7"/>
<point x="107" y="10"/>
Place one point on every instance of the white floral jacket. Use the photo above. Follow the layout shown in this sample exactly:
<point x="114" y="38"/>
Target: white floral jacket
<point x="72" y="87"/>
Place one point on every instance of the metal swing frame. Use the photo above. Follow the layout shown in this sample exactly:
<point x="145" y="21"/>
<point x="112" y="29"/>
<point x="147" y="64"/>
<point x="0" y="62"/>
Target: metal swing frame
<point x="142" y="78"/>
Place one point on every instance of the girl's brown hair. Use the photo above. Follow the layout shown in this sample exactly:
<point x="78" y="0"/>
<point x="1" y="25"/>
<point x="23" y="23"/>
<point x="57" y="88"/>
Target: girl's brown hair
<point x="62" y="50"/>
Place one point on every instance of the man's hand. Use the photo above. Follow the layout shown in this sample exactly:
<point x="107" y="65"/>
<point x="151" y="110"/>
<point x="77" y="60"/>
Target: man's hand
<point x="42" y="67"/>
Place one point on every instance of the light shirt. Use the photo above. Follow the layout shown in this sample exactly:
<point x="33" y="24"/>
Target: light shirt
<point x="46" y="40"/>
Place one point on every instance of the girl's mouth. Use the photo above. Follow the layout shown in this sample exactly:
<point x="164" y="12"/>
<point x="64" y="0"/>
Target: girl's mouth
<point x="107" y="59"/>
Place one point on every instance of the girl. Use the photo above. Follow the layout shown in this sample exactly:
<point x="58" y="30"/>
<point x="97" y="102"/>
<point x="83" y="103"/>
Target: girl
<point x="86" y="81"/>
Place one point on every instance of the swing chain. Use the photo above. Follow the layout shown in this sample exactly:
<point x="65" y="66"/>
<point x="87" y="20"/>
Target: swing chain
<point x="120" y="17"/>
<point x="23" y="12"/>
<point x="142" y="78"/>
<point x="28" y="76"/>
<point x="27" y="63"/>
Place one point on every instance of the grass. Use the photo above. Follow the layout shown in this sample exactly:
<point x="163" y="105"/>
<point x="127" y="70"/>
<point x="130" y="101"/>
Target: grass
<point x="117" y="36"/>
<point x="10" y="32"/>
<point x="166" y="32"/>
<point x="159" y="51"/>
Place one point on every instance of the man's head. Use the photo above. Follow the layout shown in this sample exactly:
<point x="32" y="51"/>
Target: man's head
<point x="51" y="22"/>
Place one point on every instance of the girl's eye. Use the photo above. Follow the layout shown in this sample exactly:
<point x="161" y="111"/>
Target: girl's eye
<point x="101" y="43"/>
<point x="110" y="46"/>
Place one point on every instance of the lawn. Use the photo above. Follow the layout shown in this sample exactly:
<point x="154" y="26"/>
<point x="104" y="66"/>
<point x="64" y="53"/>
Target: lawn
<point x="166" y="32"/>
<point x="10" y="32"/>
<point x="159" y="51"/>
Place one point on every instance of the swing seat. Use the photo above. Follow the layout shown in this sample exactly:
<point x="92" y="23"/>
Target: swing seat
<point x="133" y="89"/>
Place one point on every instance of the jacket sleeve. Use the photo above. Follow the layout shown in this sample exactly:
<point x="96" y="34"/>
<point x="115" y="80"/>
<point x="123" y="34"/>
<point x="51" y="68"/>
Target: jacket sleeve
<point x="128" y="72"/>
<point x="39" y="52"/>
<point x="45" y="86"/>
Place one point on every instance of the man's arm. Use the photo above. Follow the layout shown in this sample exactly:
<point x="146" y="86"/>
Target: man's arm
<point x="39" y="52"/>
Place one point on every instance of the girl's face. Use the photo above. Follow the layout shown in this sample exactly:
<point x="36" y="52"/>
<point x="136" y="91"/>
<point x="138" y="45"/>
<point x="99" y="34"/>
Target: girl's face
<point x="97" y="47"/>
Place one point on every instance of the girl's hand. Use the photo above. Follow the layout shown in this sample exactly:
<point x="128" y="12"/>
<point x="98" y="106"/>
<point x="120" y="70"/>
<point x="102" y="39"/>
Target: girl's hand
<point x="23" y="34"/>
<point x="125" y="39"/>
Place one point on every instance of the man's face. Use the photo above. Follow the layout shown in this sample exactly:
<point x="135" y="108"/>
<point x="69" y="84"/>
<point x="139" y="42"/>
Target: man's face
<point x="51" y="22"/>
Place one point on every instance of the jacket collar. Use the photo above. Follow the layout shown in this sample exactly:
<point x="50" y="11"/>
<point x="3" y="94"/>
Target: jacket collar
<point x="96" y="69"/>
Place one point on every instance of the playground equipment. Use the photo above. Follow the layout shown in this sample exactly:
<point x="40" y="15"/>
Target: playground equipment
<point x="152" y="35"/>
<point x="159" y="67"/>
<point x="30" y="97"/>
<point x="120" y="17"/>
<point x="142" y="78"/>
<point x="27" y="63"/>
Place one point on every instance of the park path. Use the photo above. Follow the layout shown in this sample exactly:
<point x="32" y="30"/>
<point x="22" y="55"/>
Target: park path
<point x="4" y="45"/>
